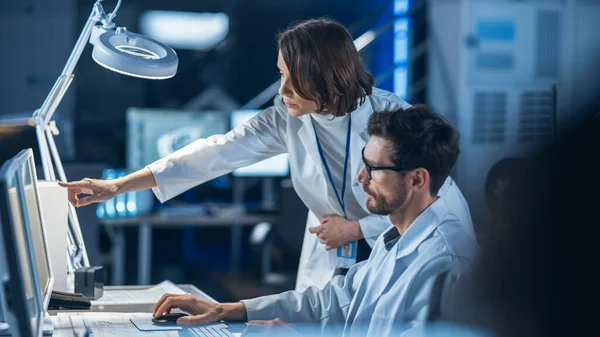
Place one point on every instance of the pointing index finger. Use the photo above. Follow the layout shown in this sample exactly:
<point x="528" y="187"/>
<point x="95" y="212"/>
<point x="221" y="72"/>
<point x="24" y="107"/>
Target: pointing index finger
<point x="74" y="184"/>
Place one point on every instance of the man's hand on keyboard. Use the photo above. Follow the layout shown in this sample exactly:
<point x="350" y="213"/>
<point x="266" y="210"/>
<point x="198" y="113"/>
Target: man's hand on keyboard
<point x="203" y="312"/>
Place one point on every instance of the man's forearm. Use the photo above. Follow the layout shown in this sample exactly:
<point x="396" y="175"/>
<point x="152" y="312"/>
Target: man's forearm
<point x="308" y="306"/>
<point x="139" y="180"/>
<point x="233" y="311"/>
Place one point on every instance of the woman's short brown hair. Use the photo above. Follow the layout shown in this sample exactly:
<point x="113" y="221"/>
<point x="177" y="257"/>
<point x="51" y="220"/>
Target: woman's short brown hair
<point x="325" y="66"/>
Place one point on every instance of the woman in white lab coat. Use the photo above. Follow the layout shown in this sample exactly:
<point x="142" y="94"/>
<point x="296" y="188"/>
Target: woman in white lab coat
<point x="320" y="118"/>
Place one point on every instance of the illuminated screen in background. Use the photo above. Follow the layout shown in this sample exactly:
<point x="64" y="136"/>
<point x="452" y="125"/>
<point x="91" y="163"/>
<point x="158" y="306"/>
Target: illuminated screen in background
<point x="155" y="133"/>
<point x="277" y="166"/>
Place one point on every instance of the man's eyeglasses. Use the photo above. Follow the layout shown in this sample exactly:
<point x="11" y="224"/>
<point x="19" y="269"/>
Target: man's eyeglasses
<point x="370" y="168"/>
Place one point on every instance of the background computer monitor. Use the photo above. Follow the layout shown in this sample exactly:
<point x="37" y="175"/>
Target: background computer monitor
<point x="22" y="306"/>
<point x="277" y="166"/>
<point x="18" y="132"/>
<point x="153" y="133"/>
<point x="33" y="213"/>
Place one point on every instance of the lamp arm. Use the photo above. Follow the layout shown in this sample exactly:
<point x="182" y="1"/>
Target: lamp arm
<point x="114" y="12"/>
<point x="43" y="115"/>
<point x="45" y="130"/>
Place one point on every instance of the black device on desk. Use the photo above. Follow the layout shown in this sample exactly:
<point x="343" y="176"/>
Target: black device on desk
<point x="90" y="281"/>
<point x="62" y="300"/>
<point x="168" y="319"/>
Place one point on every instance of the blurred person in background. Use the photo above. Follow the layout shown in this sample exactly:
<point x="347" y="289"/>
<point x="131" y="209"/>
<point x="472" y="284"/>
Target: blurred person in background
<point x="534" y="276"/>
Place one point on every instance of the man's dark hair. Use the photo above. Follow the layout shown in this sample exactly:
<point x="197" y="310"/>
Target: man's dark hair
<point x="325" y="66"/>
<point x="420" y="138"/>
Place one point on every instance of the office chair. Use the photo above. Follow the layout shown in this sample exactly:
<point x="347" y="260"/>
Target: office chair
<point x="443" y="297"/>
<point x="498" y="188"/>
<point x="451" y="295"/>
<point x="435" y="304"/>
<point x="276" y="246"/>
<point x="498" y="182"/>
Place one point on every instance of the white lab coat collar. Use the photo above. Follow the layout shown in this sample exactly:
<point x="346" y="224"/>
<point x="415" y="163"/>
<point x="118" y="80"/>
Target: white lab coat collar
<point x="421" y="227"/>
<point x="360" y="118"/>
<point x="307" y="137"/>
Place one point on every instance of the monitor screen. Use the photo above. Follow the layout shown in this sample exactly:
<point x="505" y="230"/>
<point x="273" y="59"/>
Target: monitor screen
<point x="32" y="208"/>
<point x="277" y="166"/>
<point x="155" y="133"/>
<point x="21" y="286"/>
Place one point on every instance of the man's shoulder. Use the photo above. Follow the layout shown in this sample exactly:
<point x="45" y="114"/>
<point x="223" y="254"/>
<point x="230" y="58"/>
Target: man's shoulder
<point x="450" y="239"/>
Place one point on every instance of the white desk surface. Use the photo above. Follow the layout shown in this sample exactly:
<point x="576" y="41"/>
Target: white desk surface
<point x="129" y="308"/>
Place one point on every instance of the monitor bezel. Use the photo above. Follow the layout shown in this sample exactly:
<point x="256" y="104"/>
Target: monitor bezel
<point x="23" y="157"/>
<point x="17" y="308"/>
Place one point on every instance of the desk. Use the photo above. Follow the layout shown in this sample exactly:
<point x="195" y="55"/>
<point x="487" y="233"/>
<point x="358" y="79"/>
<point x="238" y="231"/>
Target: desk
<point x="234" y="327"/>
<point x="115" y="228"/>
<point x="134" y="307"/>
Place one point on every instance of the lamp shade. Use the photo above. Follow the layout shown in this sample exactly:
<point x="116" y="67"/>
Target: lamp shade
<point x="132" y="54"/>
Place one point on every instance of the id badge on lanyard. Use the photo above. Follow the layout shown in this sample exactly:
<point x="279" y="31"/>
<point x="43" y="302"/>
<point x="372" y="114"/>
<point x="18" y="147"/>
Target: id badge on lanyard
<point x="346" y="253"/>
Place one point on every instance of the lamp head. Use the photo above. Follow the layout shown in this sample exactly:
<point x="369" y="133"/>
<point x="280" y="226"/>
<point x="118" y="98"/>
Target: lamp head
<point x="132" y="54"/>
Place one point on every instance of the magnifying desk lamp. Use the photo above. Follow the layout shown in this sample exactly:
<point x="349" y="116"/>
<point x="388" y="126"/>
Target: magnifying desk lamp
<point x="116" y="49"/>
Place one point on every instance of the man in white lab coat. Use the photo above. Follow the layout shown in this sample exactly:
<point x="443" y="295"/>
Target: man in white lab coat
<point x="407" y="159"/>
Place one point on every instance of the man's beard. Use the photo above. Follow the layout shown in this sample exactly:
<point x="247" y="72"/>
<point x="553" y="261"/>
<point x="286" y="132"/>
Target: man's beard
<point x="381" y="205"/>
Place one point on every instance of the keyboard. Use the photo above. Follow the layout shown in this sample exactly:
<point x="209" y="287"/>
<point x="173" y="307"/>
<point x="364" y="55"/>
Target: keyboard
<point x="216" y="330"/>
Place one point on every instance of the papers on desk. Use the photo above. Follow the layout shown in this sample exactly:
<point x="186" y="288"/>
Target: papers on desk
<point x="119" y="324"/>
<point x="102" y="325"/>
<point x="139" y="296"/>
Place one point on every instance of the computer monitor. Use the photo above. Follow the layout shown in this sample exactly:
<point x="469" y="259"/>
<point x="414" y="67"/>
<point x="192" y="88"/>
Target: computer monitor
<point x="33" y="213"/>
<point x="18" y="132"/>
<point x="155" y="133"/>
<point x="22" y="306"/>
<point x="277" y="166"/>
